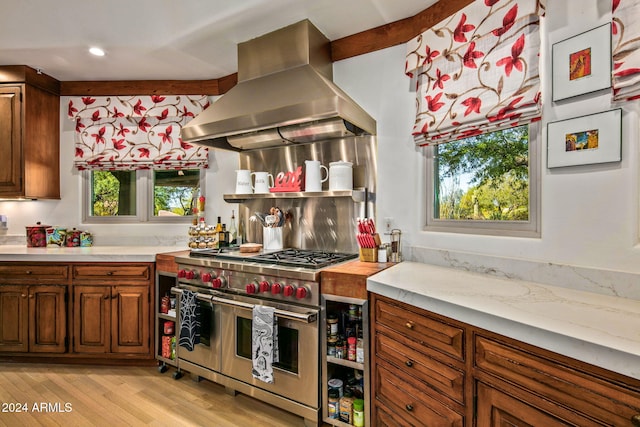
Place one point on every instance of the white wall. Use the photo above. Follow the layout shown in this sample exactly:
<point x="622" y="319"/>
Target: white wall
<point x="589" y="213"/>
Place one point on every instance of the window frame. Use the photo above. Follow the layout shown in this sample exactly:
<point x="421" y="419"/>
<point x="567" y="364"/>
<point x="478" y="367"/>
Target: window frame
<point x="144" y="202"/>
<point x="530" y="228"/>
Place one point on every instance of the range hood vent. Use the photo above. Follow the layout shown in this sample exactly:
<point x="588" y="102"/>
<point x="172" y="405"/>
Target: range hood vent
<point x="285" y="95"/>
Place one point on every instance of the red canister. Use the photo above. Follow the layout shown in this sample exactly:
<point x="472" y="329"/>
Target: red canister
<point x="37" y="235"/>
<point x="73" y="238"/>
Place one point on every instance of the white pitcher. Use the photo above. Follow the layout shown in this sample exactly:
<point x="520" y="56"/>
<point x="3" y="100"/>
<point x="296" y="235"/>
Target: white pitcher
<point x="243" y="182"/>
<point x="313" y="176"/>
<point x="263" y="181"/>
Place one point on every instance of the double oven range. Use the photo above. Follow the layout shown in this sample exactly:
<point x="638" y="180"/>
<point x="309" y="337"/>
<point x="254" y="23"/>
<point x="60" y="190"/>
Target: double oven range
<point x="228" y="284"/>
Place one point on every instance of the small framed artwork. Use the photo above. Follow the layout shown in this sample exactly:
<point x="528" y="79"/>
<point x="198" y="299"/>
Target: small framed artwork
<point x="595" y="138"/>
<point x="582" y="64"/>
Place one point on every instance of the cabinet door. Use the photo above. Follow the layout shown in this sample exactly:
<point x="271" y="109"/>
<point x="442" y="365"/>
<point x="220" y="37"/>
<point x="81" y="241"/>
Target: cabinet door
<point x="14" y="318"/>
<point x="47" y="319"/>
<point x="10" y="141"/>
<point x="130" y="329"/>
<point x="92" y="321"/>
<point x="496" y="408"/>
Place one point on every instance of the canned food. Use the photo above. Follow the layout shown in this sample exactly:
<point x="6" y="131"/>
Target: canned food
<point x="336" y="384"/>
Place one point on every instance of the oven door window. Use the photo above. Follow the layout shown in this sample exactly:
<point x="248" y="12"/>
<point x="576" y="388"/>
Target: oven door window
<point x="206" y="323"/>
<point x="287" y="344"/>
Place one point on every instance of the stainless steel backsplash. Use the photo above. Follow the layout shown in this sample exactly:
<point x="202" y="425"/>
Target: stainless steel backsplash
<point x="319" y="223"/>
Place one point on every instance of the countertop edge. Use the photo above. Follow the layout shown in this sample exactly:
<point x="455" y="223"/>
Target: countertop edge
<point x="15" y="253"/>
<point x="390" y="283"/>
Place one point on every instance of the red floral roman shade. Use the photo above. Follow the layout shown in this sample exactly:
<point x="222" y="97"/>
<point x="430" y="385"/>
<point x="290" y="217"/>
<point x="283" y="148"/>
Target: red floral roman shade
<point x="135" y="132"/>
<point x="477" y="71"/>
<point x="626" y="49"/>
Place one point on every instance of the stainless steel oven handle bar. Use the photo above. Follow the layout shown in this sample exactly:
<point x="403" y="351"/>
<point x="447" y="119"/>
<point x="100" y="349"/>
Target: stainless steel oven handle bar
<point x="306" y="318"/>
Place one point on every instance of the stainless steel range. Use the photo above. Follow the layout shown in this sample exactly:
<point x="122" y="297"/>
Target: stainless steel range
<point x="228" y="284"/>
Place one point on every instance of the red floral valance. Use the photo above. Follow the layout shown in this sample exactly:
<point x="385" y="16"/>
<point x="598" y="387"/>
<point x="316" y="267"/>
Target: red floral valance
<point x="477" y="71"/>
<point x="626" y="49"/>
<point x="135" y="132"/>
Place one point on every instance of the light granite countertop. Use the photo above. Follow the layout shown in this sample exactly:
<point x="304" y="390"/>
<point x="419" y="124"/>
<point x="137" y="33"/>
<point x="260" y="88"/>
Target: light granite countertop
<point x="598" y="329"/>
<point x="92" y="253"/>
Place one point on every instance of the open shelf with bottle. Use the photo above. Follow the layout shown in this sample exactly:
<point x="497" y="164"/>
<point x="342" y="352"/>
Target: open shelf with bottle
<point x="345" y="346"/>
<point x="165" y="332"/>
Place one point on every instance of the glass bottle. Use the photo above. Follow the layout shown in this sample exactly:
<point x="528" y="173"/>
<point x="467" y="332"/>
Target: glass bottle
<point x="233" y="232"/>
<point x="240" y="236"/>
<point x="222" y="236"/>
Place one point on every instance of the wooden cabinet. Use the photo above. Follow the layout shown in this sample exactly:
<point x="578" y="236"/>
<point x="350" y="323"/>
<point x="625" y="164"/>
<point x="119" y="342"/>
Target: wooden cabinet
<point x="112" y="308"/>
<point x="33" y="309"/>
<point x="419" y="367"/>
<point x="571" y="393"/>
<point x="29" y="134"/>
<point x="33" y="318"/>
<point x="432" y="370"/>
<point x="111" y="319"/>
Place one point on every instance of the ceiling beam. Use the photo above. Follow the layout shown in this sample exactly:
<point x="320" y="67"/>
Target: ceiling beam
<point x="395" y="33"/>
<point x="378" y="38"/>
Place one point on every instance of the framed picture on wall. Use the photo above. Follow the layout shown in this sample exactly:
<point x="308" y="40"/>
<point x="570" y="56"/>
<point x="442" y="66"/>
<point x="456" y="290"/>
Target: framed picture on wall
<point x="582" y="64"/>
<point x="595" y="138"/>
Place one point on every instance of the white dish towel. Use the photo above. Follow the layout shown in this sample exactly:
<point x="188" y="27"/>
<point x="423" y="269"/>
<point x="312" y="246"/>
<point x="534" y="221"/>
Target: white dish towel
<point x="264" y="342"/>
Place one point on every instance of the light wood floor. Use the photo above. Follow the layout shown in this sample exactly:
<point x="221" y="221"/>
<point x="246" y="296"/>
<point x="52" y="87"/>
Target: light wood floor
<point x="125" y="396"/>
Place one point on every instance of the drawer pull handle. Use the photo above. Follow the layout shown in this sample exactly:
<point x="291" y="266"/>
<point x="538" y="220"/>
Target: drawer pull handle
<point x="23" y="295"/>
<point x="409" y="407"/>
<point x="109" y="273"/>
<point x="409" y="363"/>
<point x="28" y="272"/>
<point x="635" y="420"/>
<point x="31" y="296"/>
<point x="106" y="297"/>
<point x="409" y="325"/>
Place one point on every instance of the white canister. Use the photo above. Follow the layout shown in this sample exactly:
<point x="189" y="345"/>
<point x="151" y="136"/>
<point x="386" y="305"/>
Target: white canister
<point x="263" y="181"/>
<point x="340" y="176"/>
<point x="272" y="238"/>
<point x="313" y="175"/>
<point x="243" y="182"/>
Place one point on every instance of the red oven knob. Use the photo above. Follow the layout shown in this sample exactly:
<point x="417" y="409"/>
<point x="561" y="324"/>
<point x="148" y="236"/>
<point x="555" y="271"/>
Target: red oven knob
<point x="250" y="288"/>
<point x="182" y="274"/>
<point x="206" y="277"/>
<point x="301" y="293"/>
<point x="264" y="286"/>
<point x="276" y="288"/>
<point x="190" y="275"/>
<point x="216" y="283"/>
<point x="289" y="290"/>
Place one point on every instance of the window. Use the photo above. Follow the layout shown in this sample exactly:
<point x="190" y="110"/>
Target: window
<point x="485" y="184"/>
<point x="141" y="196"/>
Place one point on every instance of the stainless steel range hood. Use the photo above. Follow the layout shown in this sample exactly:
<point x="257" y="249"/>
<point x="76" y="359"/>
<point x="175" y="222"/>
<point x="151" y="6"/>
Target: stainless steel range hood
<point x="285" y="95"/>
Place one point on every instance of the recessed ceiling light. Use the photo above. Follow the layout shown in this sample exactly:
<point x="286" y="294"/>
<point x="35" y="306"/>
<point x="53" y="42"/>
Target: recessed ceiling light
<point x="96" y="51"/>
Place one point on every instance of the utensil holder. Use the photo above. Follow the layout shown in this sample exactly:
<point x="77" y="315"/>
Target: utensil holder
<point x="272" y="238"/>
<point x="369" y="254"/>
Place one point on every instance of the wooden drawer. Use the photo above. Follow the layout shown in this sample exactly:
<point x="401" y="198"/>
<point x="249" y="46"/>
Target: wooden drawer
<point x="387" y="418"/>
<point x="412" y="404"/>
<point x="21" y="271"/>
<point x="420" y="327"/>
<point x="409" y="358"/>
<point x="565" y="384"/>
<point x="112" y="271"/>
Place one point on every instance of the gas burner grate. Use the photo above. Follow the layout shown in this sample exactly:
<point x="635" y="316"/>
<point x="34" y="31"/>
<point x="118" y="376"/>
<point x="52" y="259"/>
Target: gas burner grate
<point x="303" y="258"/>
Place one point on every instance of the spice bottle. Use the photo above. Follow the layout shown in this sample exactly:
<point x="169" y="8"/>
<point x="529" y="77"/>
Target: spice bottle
<point x="351" y="348"/>
<point x="360" y="351"/>
<point x="334" y="403"/>
<point x="332" y="326"/>
<point x="358" y="412"/>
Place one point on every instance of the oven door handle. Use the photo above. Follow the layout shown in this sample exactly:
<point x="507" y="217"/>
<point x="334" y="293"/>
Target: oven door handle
<point x="199" y="296"/>
<point x="306" y="317"/>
